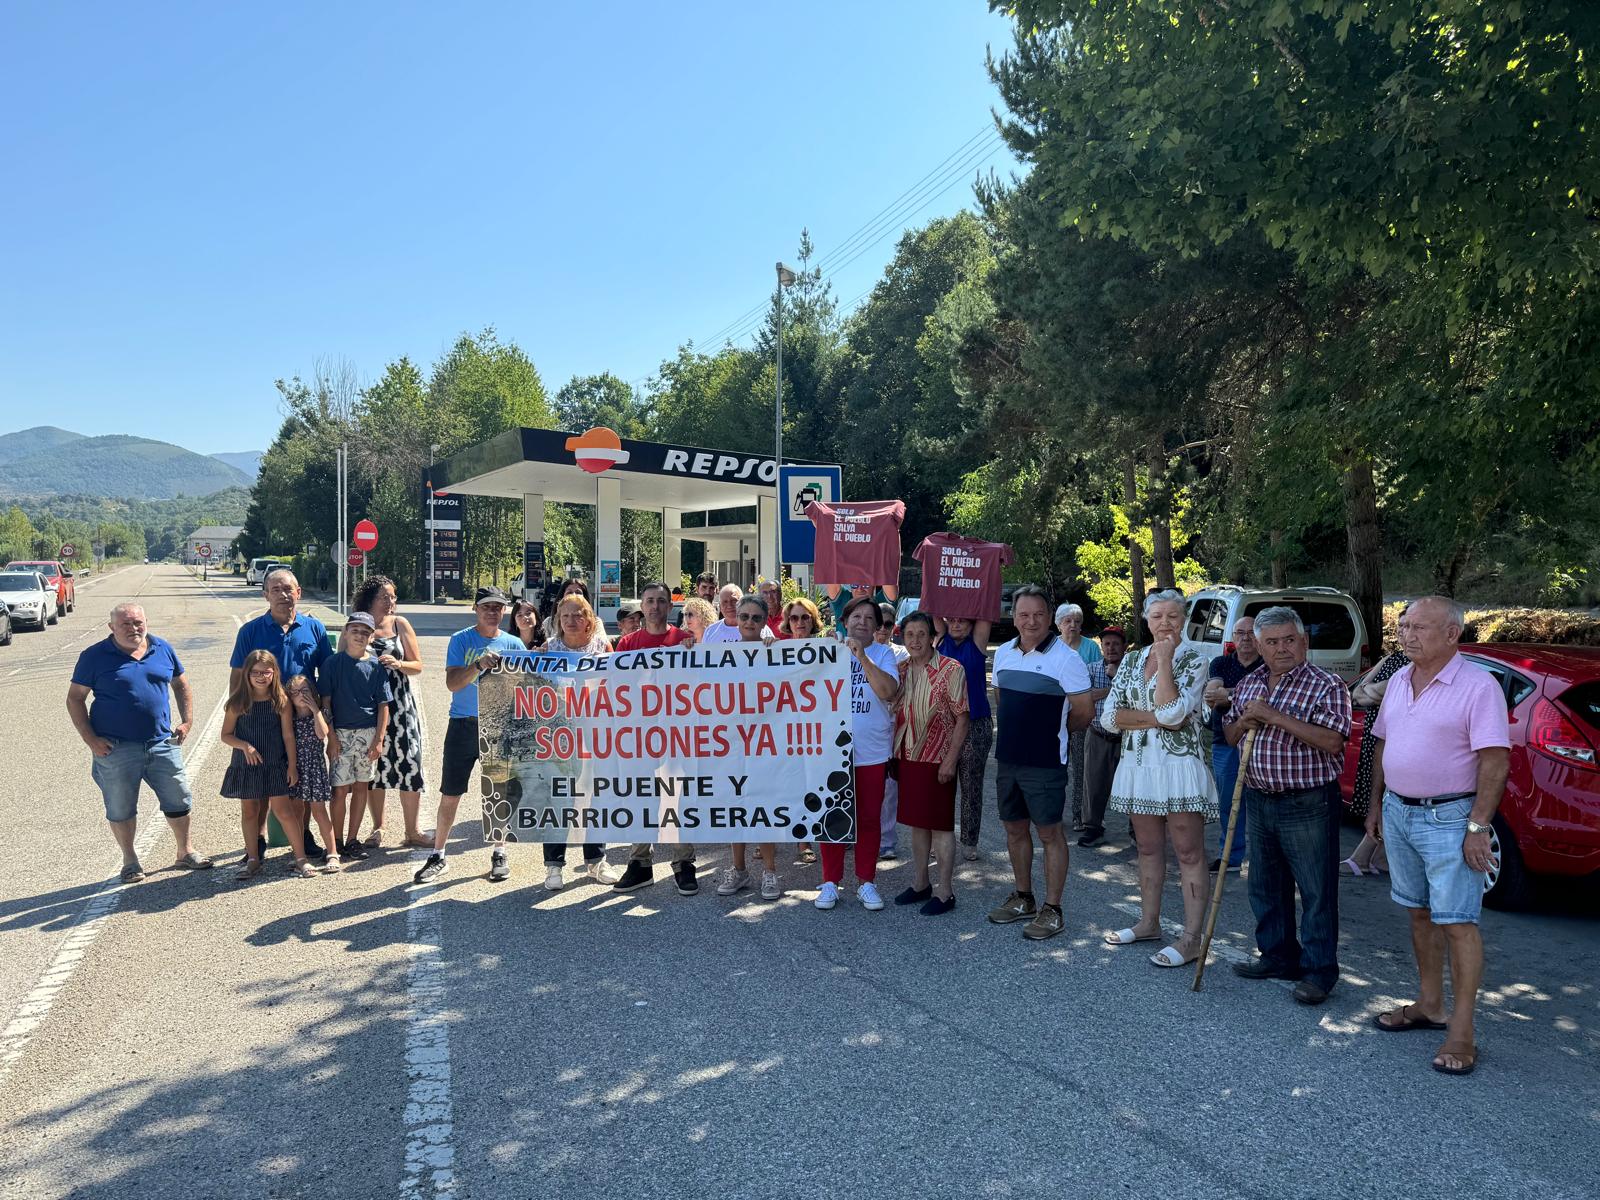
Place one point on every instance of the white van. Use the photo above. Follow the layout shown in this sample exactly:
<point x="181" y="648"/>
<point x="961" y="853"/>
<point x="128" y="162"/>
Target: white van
<point x="1332" y="620"/>
<point x="257" y="574"/>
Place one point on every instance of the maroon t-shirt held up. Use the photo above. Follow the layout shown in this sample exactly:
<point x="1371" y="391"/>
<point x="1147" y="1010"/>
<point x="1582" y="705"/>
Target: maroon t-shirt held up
<point x="961" y="576"/>
<point x="858" y="543"/>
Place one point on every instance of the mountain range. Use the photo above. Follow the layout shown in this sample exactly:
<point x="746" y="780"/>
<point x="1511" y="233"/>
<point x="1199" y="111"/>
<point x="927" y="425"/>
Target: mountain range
<point x="46" y="461"/>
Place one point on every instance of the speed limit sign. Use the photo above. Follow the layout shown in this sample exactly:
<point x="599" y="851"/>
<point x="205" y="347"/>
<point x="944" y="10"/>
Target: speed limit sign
<point x="68" y="550"/>
<point x="203" y="550"/>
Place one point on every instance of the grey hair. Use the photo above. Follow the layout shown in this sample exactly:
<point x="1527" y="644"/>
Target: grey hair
<point x="731" y="589"/>
<point x="1168" y="596"/>
<point x="1455" y="613"/>
<point x="1063" y="611"/>
<point x="125" y="606"/>
<point x="265" y="579"/>
<point x="1279" y="614"/>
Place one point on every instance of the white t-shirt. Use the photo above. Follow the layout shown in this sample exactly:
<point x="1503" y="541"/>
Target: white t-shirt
<point x="872" y="725"/>
<point x="723" y="632"/>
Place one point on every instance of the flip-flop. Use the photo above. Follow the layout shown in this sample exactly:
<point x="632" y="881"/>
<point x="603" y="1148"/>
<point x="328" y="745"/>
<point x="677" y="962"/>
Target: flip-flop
<point x="1171" y="956"/>
<point x="194" y="862"/>
<point x="1405" y="1024"/>
<point x="1126" y="937"/>
<point x="132" y="872"/>
<point x="1469" y="1061"/>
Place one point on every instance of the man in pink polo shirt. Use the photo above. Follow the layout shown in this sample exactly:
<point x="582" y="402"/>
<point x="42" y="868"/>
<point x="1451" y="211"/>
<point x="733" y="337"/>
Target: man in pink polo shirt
<point x="1437" y="775"/>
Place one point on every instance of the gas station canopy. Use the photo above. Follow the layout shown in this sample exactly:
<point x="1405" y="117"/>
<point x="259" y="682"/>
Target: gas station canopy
<point x="613" y="473"/>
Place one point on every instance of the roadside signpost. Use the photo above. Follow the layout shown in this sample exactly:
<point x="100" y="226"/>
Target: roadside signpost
<point x="67" y="551"/>
<point x="365" y="536"/>
<point x="355" y="557"/>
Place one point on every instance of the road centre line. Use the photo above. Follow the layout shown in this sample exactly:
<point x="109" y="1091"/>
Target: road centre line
<point x="429" y="1114"/>
<point x="86" y="928"/>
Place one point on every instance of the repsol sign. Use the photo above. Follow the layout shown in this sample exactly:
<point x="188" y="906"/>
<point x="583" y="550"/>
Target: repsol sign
<point x="708" y="464"/>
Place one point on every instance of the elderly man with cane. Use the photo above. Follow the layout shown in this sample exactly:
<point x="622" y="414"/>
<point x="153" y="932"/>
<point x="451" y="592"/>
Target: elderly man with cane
<point x="1437" y="776"/>
<point x="1302" y="717"/>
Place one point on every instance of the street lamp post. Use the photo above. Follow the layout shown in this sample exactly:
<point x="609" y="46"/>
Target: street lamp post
<point x="786" y="278"/>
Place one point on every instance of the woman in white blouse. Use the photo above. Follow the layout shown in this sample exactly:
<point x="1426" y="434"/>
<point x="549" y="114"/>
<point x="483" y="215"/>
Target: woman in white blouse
<point x="1163" y="781"/>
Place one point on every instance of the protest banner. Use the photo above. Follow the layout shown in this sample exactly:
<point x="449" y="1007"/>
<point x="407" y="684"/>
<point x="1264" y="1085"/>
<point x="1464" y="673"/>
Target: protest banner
<point x="739" y="742"/>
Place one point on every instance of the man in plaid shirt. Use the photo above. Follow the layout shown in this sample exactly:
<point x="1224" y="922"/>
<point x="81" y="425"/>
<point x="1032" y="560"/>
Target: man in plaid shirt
<point x="1302" y="716"/>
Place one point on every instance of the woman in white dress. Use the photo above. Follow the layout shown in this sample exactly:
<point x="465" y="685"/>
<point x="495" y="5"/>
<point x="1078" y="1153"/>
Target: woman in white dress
<point x="1163" y="781"/>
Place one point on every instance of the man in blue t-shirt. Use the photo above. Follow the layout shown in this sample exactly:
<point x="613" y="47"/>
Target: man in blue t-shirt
<point x="131" y="734"/>
<point x="469" y="654"/>
<point x="1226" y="672"/>
<point x="299" y="643"/>
<point x="967" y="642"/>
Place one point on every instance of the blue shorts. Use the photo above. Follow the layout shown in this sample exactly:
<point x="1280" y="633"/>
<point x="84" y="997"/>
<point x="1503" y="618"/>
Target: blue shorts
<point x="158" y="763"/>
<point x="1426" y="868"/>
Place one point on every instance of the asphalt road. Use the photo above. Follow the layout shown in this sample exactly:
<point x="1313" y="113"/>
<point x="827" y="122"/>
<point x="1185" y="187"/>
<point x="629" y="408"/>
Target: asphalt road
<point x="349" y="1035"/>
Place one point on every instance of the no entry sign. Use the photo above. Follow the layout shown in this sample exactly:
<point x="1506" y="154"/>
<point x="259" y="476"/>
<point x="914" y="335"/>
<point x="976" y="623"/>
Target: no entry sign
<point x="365" y="535"/>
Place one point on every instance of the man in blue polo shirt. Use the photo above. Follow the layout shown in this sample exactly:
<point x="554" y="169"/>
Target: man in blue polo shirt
<point x="1043" y="691"/>
<point x="297" y="641"/>
<point x="131" y="734"/>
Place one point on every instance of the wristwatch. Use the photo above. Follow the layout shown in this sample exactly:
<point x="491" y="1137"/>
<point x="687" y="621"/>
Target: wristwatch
<point x="1474" y="827"/>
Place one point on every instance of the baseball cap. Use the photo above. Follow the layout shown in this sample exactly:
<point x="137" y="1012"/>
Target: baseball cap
<point x="629" y="609"/>
<point x="1116" y="629"/>
<point x="362" y="619"/>
<point x="492" y="594"/>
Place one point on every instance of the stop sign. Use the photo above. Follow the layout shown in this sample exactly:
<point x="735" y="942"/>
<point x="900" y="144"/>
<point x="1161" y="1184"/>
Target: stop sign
<point x="365" y="535"/>
<point x="354" y="557"/>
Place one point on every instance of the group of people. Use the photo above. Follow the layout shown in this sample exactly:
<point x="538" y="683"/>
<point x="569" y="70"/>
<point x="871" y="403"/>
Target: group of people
<point x="320" y="736"/>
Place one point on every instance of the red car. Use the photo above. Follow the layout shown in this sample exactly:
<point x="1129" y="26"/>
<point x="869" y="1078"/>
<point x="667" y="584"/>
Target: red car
<point x="58" y="576"/>
<point x="1549" y="818"/>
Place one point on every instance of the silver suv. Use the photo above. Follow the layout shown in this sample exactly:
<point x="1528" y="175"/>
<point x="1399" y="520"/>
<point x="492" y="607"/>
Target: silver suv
<point x="1332" y="620"/>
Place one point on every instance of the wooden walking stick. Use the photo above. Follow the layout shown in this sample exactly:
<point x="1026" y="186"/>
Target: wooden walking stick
<point x="1222" y="866"/>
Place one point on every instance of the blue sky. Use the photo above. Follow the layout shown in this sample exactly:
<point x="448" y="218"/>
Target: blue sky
<point x="203" y="198"/>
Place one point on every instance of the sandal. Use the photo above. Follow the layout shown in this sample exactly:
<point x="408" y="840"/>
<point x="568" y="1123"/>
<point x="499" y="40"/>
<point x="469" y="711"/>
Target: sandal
<point x="419" y="841"/>
<point x="132" y="872"/>
<point x="249" y="870"/>
<point x="1406" y="1022"/>
<point x="303" y="869"/>
<point x="1350" y="867"/>
<point x="1466" y="1060"/>
<point x="194" y="862"/>
<point x="807" y="854"/>
<point x="1171" y="956"/>
<point x="1127" y="937"/>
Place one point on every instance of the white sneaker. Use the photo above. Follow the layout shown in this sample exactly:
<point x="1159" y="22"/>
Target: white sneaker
<point x="600" y="873"/>
<point x="827" y="895"/>
<point x="553" y="880"/>
<point x="771" y="889"/>
<point x="731" y="881"/>
<point x="868" y="895"/>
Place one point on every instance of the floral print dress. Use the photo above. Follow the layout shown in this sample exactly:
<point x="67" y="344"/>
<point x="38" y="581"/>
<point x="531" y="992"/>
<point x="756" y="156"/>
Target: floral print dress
<point x="1164" y="770"/>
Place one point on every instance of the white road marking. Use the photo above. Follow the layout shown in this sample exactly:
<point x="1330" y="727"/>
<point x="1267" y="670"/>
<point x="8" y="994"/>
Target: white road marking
<point x="430" y="1166"/>
<point x="1223" y="950"/>
<point x="36" y="1005"/>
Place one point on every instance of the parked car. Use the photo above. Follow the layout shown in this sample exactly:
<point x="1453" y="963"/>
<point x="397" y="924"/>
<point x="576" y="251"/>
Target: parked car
<point x="29" y="597"/>
<point x="5" y="624"/>
<point x="1549" y="818"/>
<point x="58" y="575"/>
<point x="259" y="567"/>
<point x="1337" y="632"/>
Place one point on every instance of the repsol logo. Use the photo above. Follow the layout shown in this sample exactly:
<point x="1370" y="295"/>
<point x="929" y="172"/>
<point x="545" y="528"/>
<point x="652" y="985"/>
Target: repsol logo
<point x="720" y="466"/>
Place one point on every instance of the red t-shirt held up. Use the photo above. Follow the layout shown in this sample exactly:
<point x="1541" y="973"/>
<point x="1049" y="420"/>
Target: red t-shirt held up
<point x="858" y="543"/>
<point x="961" y="576"/>
<point x="643" y="639"/>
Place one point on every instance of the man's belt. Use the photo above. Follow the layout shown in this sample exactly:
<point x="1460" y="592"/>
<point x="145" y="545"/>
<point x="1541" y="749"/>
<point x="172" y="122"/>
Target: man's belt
<point x="1430" y="801"/>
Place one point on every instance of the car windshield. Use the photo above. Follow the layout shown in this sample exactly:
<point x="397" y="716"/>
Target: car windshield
<point x="15" y="581"/>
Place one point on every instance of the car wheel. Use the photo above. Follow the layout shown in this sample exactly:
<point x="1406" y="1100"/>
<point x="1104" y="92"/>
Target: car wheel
<point x="1511" y="887"/>
<point x="52" y="618"/>
<point x="6" y="641"/>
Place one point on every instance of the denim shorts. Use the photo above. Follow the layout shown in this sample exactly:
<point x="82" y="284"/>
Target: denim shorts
<point x="158" y="763"/>
<point x="1426" y="868"/>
